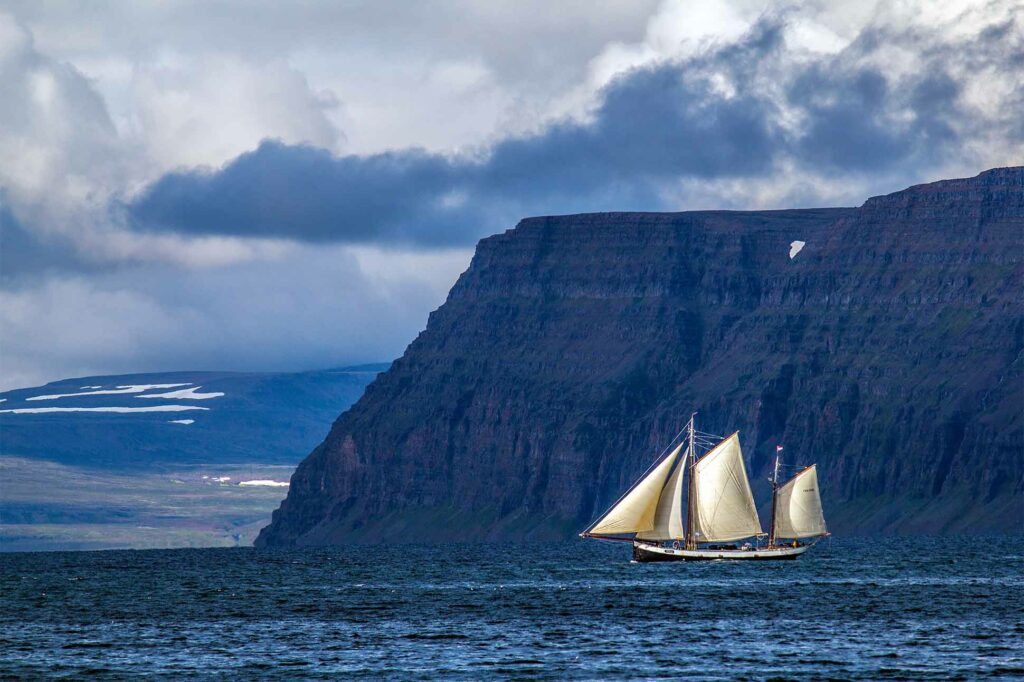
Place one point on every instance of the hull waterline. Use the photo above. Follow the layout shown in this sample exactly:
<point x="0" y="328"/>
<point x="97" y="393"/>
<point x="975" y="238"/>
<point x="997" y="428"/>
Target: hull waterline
<point x="649" y="553"/>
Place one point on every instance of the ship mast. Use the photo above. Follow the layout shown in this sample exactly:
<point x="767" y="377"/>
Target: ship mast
<point x="691" y="542"/>
<point x="775" y="497"/>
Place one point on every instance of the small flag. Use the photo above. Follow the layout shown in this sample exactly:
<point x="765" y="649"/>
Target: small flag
<point x="778" y="448"/>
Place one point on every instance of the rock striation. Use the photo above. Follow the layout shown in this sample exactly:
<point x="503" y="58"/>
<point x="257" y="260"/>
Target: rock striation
<point x="889" y="349"/>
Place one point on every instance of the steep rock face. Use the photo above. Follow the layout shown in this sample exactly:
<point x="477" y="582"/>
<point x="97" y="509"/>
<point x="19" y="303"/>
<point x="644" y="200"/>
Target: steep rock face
<point x="889" y="350"/>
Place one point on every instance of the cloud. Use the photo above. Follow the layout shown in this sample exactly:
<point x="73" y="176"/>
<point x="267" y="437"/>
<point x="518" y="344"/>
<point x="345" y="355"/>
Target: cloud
<point x="190" y="111"/>
<point x="180" y="188"/>
<point x="399" y="68"/>
<point x="300" y="191"/>
<point x="651" y="126"/>
<point x="64" y="158"/>
<point x="28" y="254"/>
<point x="744" y="111"/>
<point x="314" y="307"/>
<point x="58" y="144"/>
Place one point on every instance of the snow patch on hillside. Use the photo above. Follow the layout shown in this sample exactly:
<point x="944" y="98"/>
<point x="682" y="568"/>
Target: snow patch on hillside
<point x="265" y="483"/>
<point x="118" y="410"/>
<point x="183" y="394"/>
<point x="795" y="247"/>
<point x="182" y="421"/>
<point x="134" y="388"/>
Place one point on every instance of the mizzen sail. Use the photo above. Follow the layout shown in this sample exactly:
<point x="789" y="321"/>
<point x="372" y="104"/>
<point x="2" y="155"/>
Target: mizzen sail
<point x="724" y="505"/>
<point x="636" y="511"/>
<point x="798" y="507"/>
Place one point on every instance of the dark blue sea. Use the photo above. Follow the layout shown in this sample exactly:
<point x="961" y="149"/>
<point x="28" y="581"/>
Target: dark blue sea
<point x="945" y="608"/>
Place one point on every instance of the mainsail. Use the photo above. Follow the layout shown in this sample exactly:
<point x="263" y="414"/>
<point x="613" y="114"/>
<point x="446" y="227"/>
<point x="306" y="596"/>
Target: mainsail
<point x="640" y="509"/>
<point x="798" y="507"/>
<point x="723" y="504"/>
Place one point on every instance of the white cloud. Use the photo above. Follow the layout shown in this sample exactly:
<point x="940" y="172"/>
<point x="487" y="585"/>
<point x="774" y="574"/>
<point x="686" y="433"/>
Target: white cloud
<point x="194" y="111"/>
<point x="64" y="159"/>
<point x="58" y="146"/>
<point x="438" y="75"/>
<point x="111" y="244"/>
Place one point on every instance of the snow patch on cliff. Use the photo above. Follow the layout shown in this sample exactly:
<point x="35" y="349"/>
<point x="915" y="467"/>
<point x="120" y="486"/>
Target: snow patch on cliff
<point x="794" y="248"/>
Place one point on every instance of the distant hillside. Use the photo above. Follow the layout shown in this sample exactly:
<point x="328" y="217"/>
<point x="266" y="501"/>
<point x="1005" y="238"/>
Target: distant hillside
<point x="156" y="420"/>
<point x="175" y="459"/>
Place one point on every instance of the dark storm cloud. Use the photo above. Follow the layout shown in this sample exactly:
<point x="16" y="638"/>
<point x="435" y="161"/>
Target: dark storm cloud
<point x="860" y="120"/>
<point x="653" y="127"/>
<point x="308" y="193"/>
<point x="27" y="256"/>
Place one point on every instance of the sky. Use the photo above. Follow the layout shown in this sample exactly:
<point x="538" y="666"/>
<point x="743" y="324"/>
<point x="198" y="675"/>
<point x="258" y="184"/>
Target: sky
<point x="273" y="186"/>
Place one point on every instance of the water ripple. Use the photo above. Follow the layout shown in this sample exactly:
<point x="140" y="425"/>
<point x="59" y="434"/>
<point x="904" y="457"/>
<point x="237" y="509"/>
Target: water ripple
<point x="922" y="609"/>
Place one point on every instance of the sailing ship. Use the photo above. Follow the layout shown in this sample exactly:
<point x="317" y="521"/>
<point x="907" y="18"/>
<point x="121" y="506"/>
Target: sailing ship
<point x="720" y="510"/>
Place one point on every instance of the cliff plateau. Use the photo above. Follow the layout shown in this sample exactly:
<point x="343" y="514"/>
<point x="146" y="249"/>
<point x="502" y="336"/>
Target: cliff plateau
<point x="889" y="350"/>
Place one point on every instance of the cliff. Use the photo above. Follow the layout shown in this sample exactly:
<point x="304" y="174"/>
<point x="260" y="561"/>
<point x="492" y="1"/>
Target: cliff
<point x="888" y="350"/>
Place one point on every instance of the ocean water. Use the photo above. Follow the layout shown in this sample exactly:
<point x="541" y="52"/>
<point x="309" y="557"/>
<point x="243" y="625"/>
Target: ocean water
<point x="941" y="608"/>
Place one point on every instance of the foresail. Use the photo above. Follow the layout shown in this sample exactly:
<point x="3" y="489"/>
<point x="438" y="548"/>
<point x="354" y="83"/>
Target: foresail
<point x="635" y="511"/>
<point x="668" y="516"/>
<point x="798" y="511"/>
<point x="724" y="505"/>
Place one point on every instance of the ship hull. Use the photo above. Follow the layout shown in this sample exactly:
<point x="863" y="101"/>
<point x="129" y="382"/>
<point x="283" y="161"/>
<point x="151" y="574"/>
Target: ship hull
<point x="648" y="553"/>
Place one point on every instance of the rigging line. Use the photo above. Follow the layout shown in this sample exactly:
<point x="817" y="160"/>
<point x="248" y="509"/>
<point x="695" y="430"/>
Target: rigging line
<point x="674" y="439"/>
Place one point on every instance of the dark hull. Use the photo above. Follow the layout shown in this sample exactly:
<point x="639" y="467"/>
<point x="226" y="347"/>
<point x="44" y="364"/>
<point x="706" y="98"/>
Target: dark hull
<point x="646" y="554"/>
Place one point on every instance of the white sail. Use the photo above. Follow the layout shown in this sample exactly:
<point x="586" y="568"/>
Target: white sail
<point x="635" y="512"/>
<point x="798" y="507"/>
<point x="668" y="516"/>
<point x="723" y="505"/>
